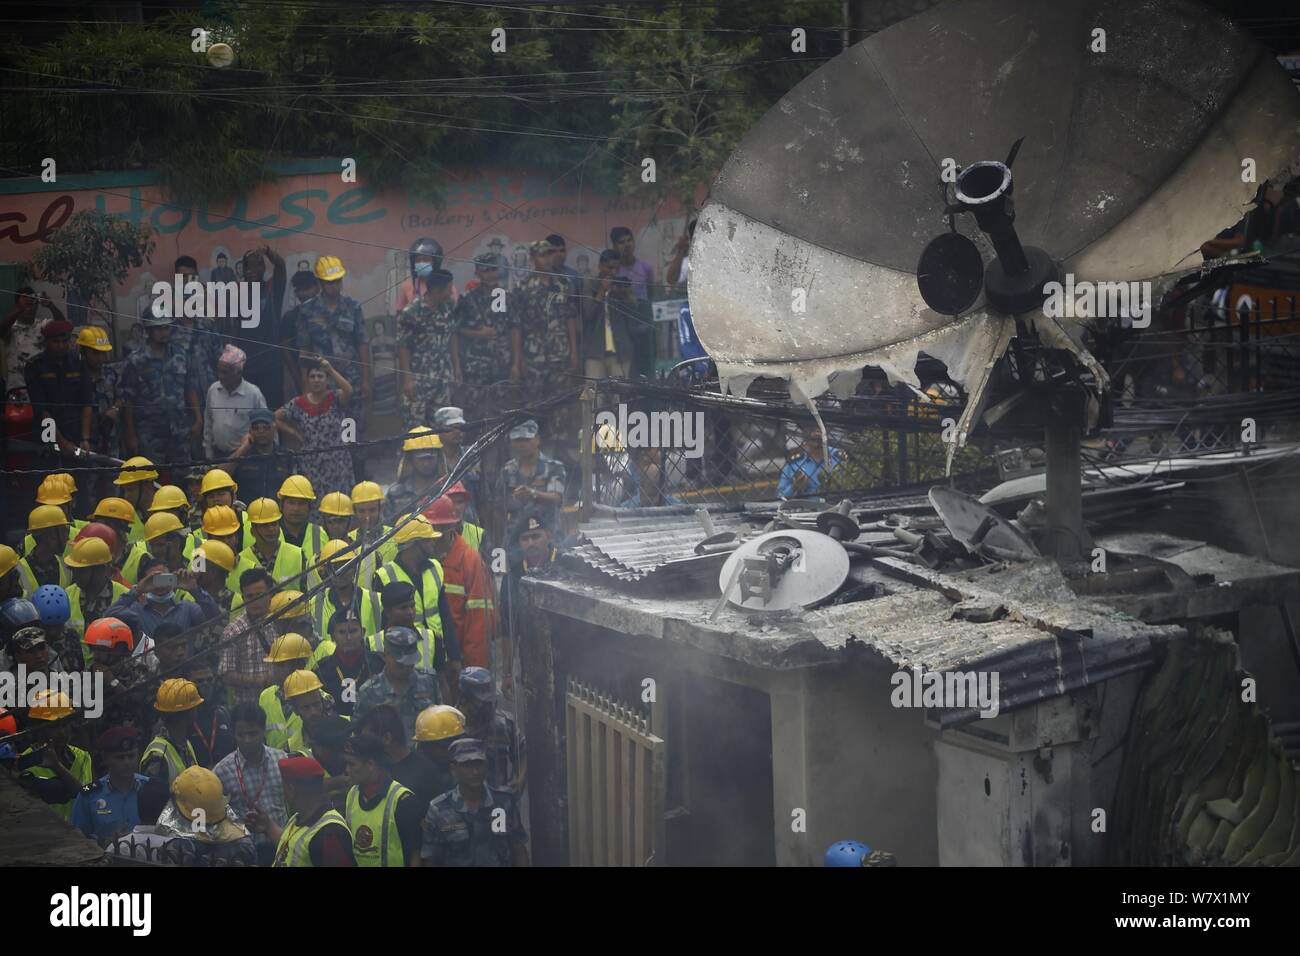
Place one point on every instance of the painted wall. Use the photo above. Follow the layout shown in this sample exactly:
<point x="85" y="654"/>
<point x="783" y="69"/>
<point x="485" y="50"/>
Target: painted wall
<point x="308" y="211"/>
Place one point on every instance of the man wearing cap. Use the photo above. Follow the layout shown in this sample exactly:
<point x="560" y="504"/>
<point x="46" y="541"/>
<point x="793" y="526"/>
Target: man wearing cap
<point x="489" y="340"/>
<point x="529" y="478"/>
<point x="100" y="380"/>
<point x="54" y="387"/>
<point x="465" y="825"/>
<point x="426" y="350"/>
<point x="507" y="762"/>
<point x="547" y="310"/>
<point x="21" y="333"/>
<point x="162" y="407"/>
<point x="259" y="465"/>
<point x="383" y="815"/>
<point x="400" y="684"/>
<point x="531" y="550"/>
<point x="316" y="834"/>
<point x="250" y="776"/>
<point x="448" y="422"/>
<point x="467" y="584"/>
<point x="438" y="655"/>
<point x="107" y="808"/>
<point x="230" y="402"/>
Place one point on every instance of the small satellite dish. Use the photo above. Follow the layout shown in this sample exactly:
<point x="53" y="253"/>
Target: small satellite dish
<point x="782" y="570"/>
<point x="950" y="273"/>
<point x="221" y="55"/>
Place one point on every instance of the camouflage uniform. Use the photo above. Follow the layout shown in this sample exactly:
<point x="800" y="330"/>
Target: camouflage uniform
<point x="422" y="692"/>
<point x="483" y="363"/>
<point x="453" y="836"/>
<point x="545" y="306"/>
<point x="550" y="476"/>
<point x="504" y="746"/>
<point x="104" y="393"/>
<point x="426" y="333"/>
<point x="337" y="335"/>
<point x="156" y="390"/>
<point x="201" y="345"/>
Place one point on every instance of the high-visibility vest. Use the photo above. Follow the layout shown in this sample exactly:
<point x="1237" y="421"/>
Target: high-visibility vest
<point x="289" y="564"/>
<point x="26" y="580"/>
<point x="313" y="539"/>
<point x="294" y="848"/>
<point x="365" y="601"/>
<point x="136" y="533"/>
<point x="29" y="542"/>
<point x="375" y="840"/>
<point x="131" y="563"/>
<point x="160" y="746"/>
<point x="25" y="569"/>
<point x="77" y="620"/>
<point x="279" y="728"/>
<point x="426" y="592"/>
<point x="375" y="559"/>
<point x="472" y="534"/>
<point x="81" y="768"/>
<point x="428" y="646"/>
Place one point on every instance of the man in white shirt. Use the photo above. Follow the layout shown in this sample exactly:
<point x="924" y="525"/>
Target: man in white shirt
<point x="229" y="403"/>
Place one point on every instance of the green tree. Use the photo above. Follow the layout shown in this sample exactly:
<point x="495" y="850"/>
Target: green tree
<point x="89" y="254"/>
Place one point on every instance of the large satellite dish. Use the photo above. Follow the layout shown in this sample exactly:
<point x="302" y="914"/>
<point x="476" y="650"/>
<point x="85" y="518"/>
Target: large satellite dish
<point x="1136" y="121"/>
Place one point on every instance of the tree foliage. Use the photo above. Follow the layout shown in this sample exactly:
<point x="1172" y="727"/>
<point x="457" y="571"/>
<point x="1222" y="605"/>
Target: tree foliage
<point x="411" y="90"/>
<point x="91" y="253"/>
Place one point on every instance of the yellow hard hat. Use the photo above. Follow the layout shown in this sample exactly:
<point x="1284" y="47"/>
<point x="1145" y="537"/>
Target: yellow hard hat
<point x="338" y="550"/>
<point x="215" y="480"/>
<point x="220" y="519"/>
<point x="329" y="268"/>
<point x="297" y="486"/>
<point x="417" y="529"/>
<point x="198" y="788"/>
<point x="68" y="481"/>
<point x="89" y="553"/>
<point x="164" y="522"/>
<point x="93" y="337"/>
<point x="439" y="722"/>
<point x="176" y="695"/>
<point x="52" y="491"/>
<point x="421" y="436"/>
<point x="117" y="508"/>
<point x="282" y="599"/>
<point x="263" y="511"/>
<point x="50" y="705"/>
<point x="136" y="469"/>
<point x="366" y="491"/>
<point x="288" y="647"/>
<point x="301" y="682"/>
<point x="46" y="516"/>
<point x="8" y="559"/>
<point x="336" y="503"/>
<point x="169" y="498"/>
<point x="219" y="553"/>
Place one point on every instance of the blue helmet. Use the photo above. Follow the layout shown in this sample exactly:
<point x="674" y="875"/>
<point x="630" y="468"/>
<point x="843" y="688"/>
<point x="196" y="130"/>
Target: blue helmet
<point x="52" y="603"/>
<point x="18" y="612"/>
<point x="846" y="853"/>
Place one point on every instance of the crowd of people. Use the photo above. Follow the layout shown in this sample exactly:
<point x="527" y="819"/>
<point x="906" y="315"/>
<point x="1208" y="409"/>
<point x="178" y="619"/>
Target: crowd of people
<point x="300" y="667"/>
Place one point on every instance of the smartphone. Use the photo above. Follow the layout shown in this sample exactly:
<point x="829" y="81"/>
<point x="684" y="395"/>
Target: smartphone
<point x="163" y="581"/>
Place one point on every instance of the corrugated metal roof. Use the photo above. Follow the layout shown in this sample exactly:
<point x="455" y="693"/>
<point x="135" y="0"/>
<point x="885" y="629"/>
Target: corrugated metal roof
<point x="632" y="547"/>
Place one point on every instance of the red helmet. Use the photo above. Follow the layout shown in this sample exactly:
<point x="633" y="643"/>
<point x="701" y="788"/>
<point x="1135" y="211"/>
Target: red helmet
<point x="109" y="632"/>
<point x="442" y="511"/>
<point x="8" y="724"/>
<point x="458" y="489"/>
<point x="102" y="531"/>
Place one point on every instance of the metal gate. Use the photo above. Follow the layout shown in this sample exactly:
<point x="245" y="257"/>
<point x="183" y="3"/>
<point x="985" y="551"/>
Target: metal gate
<point x="617" y="773"/>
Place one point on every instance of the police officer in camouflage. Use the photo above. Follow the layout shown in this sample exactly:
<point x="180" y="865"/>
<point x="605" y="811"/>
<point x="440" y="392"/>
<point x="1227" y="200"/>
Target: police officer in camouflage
<point x="162" y="409"/>
<point x="473" y="824"/>
<point x="547" y="310"/>
<point x="489" y="340"/>
<point x="400" y="684"/>
<point x="426" y="348"/>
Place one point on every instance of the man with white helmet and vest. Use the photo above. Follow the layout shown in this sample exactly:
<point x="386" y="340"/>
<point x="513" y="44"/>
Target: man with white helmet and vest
<point x="170" y="752"/>
<point x="316" y="834"/>
<point x="383" y="816"/>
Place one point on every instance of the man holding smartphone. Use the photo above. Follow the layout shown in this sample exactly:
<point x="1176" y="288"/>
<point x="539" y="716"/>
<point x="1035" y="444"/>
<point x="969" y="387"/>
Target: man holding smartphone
<point x="155" y="599"/>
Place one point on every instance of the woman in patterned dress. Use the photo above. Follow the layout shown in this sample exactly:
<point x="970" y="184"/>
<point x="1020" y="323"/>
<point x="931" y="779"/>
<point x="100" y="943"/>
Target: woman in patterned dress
<point x="316" y="419"/>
